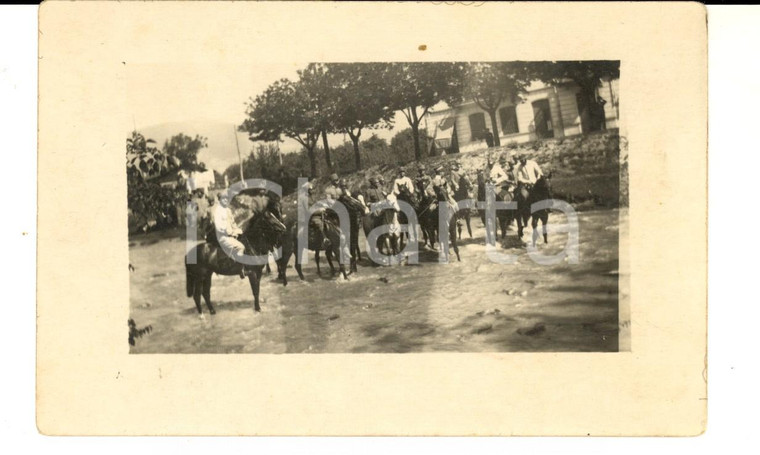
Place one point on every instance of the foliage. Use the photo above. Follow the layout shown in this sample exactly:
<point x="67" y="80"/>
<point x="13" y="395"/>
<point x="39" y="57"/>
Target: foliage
<point x="361" y="100"/>
<point x="417" y="87"/>
<point x="185" y="149"/>
<point x="491" y="84"/>
<point x="284" y="109"/>
<point x="402" y="145"/>
<point x="588" y="74"/>
<point x="147" y="200"/>
<point x="135" y="333"/>
<point x="144" y="159"/>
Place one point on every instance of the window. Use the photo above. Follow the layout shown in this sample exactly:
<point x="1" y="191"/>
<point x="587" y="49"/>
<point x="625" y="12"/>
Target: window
<point x="508" y="116"/>
<point x="477" y="126"/>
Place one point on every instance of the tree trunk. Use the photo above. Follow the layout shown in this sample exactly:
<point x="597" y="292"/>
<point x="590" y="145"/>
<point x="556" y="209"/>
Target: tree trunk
<point x="494" y="128"/>
<point x="415" y="124"/>
<point x="357" y="155"/>
<point x="327" y="150"/>
<point x="312" y="161"/>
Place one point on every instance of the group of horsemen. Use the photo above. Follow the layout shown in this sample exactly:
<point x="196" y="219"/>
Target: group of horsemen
<point x="518" y="174"/>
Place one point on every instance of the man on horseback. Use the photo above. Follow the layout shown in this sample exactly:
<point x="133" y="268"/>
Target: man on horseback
<point x="402" y="181"/>
<point x="527" y="173"/>
<point x="381" y="185"/>
<point x="442" y="187"/>
<point x="373" y="193"/>
<point x="422" y="182"/>
<point x="227" y="230"/>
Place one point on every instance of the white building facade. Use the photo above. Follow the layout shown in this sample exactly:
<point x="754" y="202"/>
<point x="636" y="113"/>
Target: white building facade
<point x="546" y="111"/>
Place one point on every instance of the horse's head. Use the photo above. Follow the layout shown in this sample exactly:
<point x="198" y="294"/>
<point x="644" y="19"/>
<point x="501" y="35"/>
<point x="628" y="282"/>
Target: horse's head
<point x="266" y="223"/>
<point x="351" y="203"/>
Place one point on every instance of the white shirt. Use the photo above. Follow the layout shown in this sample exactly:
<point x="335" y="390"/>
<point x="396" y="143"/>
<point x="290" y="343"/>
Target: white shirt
<point x="498" y="175"/>
<point x="400" y="182"/>
<point x="225" y="222"/>
<point x="528" y="173"/>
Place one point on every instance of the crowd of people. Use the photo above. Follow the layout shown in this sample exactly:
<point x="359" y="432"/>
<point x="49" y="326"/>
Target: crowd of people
<point x="519" y="172"/>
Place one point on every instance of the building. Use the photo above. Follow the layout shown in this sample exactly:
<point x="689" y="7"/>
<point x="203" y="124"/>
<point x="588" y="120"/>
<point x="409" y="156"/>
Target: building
<point x="546" y="111"/>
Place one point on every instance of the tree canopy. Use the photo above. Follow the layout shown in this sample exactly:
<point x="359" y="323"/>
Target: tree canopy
<point x="185" y="149"/>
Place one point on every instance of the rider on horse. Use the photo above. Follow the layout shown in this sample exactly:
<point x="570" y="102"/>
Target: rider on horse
<point x="422" y="182"/>
<point x="374" y="193"/>
<point x="227" y="230"/>
<point x="401" y="181"/>
<point x="527" y="172"/>
<point x="442" y="187"/>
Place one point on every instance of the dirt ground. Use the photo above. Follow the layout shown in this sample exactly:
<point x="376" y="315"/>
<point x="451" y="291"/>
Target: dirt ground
<point x="469" y="306"/>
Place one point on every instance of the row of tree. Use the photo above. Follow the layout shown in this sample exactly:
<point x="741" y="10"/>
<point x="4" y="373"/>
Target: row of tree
<point x="350" y="98"/>
<point x="268" y="162"/>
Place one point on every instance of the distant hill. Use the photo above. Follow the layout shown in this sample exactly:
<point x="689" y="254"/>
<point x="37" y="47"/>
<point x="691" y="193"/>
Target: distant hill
<point x="221" y="151"/>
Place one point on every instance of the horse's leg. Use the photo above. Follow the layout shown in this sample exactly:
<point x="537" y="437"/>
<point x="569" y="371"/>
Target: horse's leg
<point x="534" y="225"/>
<point x="297" y="265"/>
<point x="544" y="222"/>
<point x="255" y="279"/>
<point x="454" y="244"/>
<point x="207" y="292"/>
<point x="197" y="290"/>
<point x="316" y="259"/>
<point x="520" y="225"/>
<point x="328" y="255"/>
<point x="467" y="217"/>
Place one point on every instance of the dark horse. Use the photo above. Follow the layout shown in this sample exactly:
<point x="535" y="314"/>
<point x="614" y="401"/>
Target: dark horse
<point x="262" y="231"/>
<point x="503" y="217"/>
<point x="385" y="217"/>
<point x="356" y="213"/>
<point x="428" y="215"/>
<point x="328" y="238"/>
<point x="406" y="195"/>
<point x="526" y="196"/>
<point x="463" y="192"/>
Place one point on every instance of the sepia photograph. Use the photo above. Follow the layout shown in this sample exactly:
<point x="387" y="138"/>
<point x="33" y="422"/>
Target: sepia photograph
<point x="344" y="218"/>
<point x="382" y="207"/>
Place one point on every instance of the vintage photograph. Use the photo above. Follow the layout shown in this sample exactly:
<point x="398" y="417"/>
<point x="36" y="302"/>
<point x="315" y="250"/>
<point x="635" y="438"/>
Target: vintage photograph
<point x="381" y="207"/>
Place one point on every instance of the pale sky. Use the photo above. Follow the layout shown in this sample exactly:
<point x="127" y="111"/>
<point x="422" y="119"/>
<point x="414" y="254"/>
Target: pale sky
<point x="197" y="93"/>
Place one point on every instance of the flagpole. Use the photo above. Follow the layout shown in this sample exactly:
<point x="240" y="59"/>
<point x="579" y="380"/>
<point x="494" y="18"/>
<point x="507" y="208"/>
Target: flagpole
<point x="240" y="158"/>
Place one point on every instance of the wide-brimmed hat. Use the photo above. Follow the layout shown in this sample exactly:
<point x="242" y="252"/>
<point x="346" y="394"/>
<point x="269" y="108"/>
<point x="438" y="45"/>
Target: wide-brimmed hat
<point x="333" y="177"/>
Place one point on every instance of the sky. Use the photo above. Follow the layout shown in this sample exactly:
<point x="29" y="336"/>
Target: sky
<point x="165" y="96"/>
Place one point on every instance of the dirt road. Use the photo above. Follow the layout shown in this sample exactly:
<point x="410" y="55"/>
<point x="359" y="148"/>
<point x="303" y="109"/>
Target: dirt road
<point x="469" y="306"/>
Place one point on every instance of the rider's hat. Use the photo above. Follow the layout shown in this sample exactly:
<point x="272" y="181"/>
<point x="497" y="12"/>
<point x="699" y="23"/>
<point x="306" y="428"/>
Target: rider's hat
<point x="333" y="177"/>
<point x="372" y="180"/>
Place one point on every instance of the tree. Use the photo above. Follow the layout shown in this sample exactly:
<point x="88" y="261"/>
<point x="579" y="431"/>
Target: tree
<point x="402" y="145"/>
<point x="145" y="199"/>
<point x="417" y="87"/>
<point x="284" y="109"/>
<point x="186" y="149"/>
<point x="588" y="75"/>
<point x="144" y="159"/>
<point x="362" y="100"/>
<point x="491" y="84"/>
<point x="321" y="91"/>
